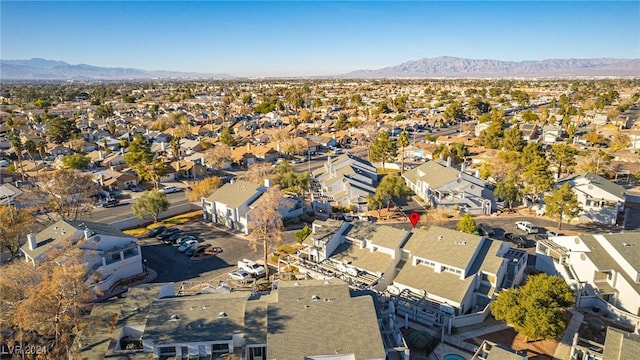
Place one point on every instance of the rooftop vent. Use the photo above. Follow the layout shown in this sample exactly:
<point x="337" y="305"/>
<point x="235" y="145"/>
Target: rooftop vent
<point x="222" y="314"/>
<point x="174" y="317"/>
<point x="296" y="284"/>
<point x="440" y="237"/>
<point x="204" y="307"/>
<point x="627" y="245"/>
<point x="315" y="298"/>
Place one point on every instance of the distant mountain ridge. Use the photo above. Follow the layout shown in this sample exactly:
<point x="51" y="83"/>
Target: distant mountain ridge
<point x="446" y="66"/>
<point x="43" y="69"/>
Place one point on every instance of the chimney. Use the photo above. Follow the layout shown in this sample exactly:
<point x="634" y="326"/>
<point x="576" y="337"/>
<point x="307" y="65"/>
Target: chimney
<point x="448" y="161"/>
<point x="278" y="146"/>
<point x="202" y="162"/>
<point x="267" y="182"/>
<point x="163" y="146"/>
<point x="31" y="240"/>
<point x="329" y="167"/>
<point x="100" y="155"/>
<point x="87" y="233"/>
<point x="248" y="147"/>
<point x="462" y="167"/>
<point x="122" y="151"/>
<point x="477" y="173"/>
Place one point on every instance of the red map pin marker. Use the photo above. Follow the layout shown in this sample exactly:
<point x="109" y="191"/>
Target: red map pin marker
<point x="414" y="217"/>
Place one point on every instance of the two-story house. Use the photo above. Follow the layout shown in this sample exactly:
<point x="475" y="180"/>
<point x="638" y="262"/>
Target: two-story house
<point x="110" y="254"/>
<point x="442" y="184"/>
<point x="450" y="277"/>
<point x="605" y="268"/>
<point x="601" y="200"/>
<point x="363" y="254"/>
<point x="345" y="181"/>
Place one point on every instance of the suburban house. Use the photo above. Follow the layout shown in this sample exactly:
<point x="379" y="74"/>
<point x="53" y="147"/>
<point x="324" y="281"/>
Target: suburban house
<point x="231" y="205"/>
<point x="112" y="180"/>
<point x="361" y="253"/>
<point x="110" y="254"/>
<point x="420" y="150"/>
<point x="442" y="184"/>
<point x="601" y="200"/>
<point x="605" y="268"/>
<point x="551" y="133"/>
<point x="189" y="169"/>
<point x="529" y="132"/>
<point x="449" y="277"/>
<point x="236" y="325"/>
<point x="344" y="181"/>
<point x="618" y="345"/>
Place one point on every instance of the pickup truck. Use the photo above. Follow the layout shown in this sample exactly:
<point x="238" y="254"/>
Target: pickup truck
<point x="253" y="268"/>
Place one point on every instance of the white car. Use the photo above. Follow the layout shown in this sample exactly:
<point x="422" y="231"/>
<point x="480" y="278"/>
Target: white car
<point x="526" y="227"/>
<point x="170" y="189"/>
<point x="187" y="244"/>
<point x="252" y="267"/>
<point x="240" y="275"/>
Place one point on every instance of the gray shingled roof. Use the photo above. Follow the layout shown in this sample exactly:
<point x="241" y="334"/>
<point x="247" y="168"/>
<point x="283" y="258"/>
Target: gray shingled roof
<point x="603" y="260"/>
<point x="334" y="324"/>
<point x="444" y="246"/>
<point x="236" y="194"/>
<point x="620" y="345"/>
<point x="382" y="235"/>
<point x="599" y="181"/>
<point x="435" y="174"/>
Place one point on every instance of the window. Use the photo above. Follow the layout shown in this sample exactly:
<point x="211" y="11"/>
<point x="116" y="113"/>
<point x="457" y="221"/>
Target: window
<point x="220" y="348"/>
<point x="130" y="252"/>
<point x="112" y="258"/>
<point x="167" y="350"/>
<point x="184" y="351"/>
<point x="425" y="262"/>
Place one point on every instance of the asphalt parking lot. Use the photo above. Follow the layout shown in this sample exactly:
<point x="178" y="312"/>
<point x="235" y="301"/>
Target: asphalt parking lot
<point x="174" y="266"/>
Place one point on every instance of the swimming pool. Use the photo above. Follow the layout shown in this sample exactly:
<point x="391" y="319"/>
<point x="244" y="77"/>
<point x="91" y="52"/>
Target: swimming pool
<point x="453" y="357"/>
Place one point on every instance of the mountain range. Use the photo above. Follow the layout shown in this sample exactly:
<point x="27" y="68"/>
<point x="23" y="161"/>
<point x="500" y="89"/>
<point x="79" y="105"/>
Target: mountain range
<point x="446" y="66"/>
<point x="440" y="67"/>
<point x="42" y="69"/>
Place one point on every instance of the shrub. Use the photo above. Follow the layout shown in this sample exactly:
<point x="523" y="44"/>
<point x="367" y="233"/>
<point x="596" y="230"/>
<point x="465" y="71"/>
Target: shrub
<point x="274" y="258"/>
<point x="286" y="249"/>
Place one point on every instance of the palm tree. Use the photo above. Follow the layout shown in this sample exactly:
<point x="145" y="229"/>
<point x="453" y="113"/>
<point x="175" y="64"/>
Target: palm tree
<point x="403" y="140"/>
<point x="41" y="145"/>
<point x="18" y="147"/>
<point x="30" y="146"/>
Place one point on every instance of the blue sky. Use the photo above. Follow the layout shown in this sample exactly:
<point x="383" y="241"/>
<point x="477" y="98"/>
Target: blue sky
<point x="312" y="38"/>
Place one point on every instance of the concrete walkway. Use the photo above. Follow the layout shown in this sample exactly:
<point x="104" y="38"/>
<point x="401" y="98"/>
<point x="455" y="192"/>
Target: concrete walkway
<point x="563" y="351"/>
<point x="482" y="331"/>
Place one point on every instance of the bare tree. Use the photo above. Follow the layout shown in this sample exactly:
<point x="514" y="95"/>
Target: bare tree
<point x="265" y="222"/>
<point x="66" y="193"/>
<point x="218" y="156"/>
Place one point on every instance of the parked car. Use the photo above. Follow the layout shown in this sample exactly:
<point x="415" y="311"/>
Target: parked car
<point x="168" y="232"/>
<point x="554" y="233"/>
<point x="156" y="231"/>
<point x="170" y="189"/>
<point x="173" y="238"/>
<point x="348" y="217"/>
<point x="110" y="203"/>
<point x="197" y="249"/>
<point x="486" y="230"/>
<point x="541" y="237"/>
<point x="526" y="227"/>
<point x="252" y="267"/>
<point x="187" y="244"/>
<point x="519" y="241"/>
<point x="184" y="239"/>
<point x="209" y="250"/>
<point x="240" y="275"/>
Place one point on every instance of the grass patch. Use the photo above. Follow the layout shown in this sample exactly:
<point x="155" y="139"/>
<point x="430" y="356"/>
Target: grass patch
<point x="172" y="221"/>
<point x="387" y="171"/>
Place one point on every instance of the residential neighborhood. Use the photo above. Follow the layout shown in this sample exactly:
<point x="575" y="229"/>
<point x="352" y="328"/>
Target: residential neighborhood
<point x="271" y="219"/>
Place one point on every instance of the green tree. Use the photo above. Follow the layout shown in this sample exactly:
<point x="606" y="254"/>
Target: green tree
<point x="508" y="189"/>
<point x="342" y="123"/>
<point x="76" y="161"/>
<point x="138" y="152"/>
<point x="226" y="137"/>
<point x="302" y="234"/>
<point x="512" y="140"/>
<point x="467" y="225"/>
<point x="563" y="156"/>
<point x="490" y="138"/>
<point x="562" y="204"/>
<point x="403" y="141"/>
<point x="14" y="223"/>
<point x="383" y="149"/>
<point x="32" y="149"/>
<point x="150" y="203"/>
<point x="454" y="112"/>
<point x="18" y="147"/>
<point x="536" y="176"/>
<point x="375" y="202"/>
<point x="392" y="186"/>
<point x="536" y="310"/>
<point x="174" y="144"/>
<point x="61" y="129"/>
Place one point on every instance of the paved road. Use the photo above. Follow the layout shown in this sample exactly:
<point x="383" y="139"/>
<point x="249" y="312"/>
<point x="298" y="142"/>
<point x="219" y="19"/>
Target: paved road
<point x="123" y="210"/>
